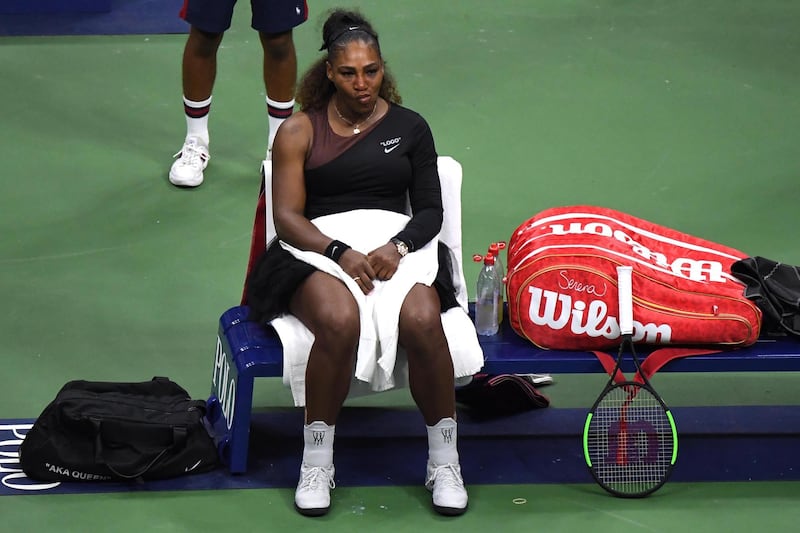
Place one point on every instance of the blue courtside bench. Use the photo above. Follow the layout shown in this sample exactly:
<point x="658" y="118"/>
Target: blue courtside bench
<point x="246" y="350"/>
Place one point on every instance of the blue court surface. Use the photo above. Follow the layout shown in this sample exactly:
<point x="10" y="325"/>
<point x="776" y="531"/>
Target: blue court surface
<point x="387" y="447"/>
<point x="90" y="17"/>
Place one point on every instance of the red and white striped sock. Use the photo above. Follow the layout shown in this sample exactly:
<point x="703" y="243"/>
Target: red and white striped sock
<point x="277" y="112"/>
<point x="197" y="118"/>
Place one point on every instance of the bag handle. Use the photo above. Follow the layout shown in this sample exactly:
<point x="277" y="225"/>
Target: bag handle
<point x="179" y="438"/>
<point x="653" y="362"/>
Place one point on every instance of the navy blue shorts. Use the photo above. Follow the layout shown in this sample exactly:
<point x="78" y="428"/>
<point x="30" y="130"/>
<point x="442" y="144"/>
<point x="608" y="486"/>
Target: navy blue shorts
<point x="269" y="16"/>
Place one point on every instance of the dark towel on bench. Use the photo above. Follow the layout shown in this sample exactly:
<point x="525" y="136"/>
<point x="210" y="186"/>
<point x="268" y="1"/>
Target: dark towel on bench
<point x="502" y="394"/>
<point x="775" y="289"/>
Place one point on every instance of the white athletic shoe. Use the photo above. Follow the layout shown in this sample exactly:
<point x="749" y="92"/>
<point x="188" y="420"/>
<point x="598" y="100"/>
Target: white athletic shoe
<point x="187" y="170"/>
<point x="313" y="494"/>
<point x="447" y="485"/>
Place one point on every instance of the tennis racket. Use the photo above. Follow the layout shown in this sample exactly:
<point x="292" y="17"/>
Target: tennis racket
<point x="630" y="442"/>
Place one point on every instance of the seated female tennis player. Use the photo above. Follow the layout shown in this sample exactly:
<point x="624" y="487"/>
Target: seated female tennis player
<point x="348" y="258"/>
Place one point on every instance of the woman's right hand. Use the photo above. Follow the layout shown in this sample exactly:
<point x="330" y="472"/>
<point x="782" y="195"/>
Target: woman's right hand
<point x="357" y="266"/>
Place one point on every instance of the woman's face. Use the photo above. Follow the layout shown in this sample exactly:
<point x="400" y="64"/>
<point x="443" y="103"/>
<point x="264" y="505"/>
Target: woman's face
<point x="357" y="73"/>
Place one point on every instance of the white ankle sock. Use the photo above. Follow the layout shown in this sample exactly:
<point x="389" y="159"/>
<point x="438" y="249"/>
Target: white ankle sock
<point x="442" y="442"/>
<point x="277" y="112"/>
<point x="318" y="439"/>
<point x="197" y="118"/>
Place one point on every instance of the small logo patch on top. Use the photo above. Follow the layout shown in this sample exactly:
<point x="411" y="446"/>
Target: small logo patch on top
<point x="390" y="144"/>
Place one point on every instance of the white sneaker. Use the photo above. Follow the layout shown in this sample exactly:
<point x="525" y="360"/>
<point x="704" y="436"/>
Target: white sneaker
<point x="313" y="494"/>
<point x="449" y="495"/>
<point x="187" y="170"/>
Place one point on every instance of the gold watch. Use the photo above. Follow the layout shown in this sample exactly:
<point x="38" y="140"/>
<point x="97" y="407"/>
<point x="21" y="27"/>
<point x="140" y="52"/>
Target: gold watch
<point x="402" y="248"/>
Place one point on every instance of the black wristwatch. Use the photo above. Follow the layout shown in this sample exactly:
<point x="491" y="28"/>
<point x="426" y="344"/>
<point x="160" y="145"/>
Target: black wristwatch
<point x="402" y="248"/>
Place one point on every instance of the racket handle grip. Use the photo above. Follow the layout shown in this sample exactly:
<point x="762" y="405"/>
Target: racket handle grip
<point x="625" y="292"/>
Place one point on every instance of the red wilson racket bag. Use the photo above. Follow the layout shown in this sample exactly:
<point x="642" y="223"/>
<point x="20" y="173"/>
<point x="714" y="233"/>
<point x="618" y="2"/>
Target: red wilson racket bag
<point x="562" y="289"/>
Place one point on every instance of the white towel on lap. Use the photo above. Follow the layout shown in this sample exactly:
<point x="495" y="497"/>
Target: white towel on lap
<point x="366" y="230"/>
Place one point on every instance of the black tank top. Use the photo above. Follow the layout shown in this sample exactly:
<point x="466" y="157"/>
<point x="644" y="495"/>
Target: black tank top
<point x="383" y="167"/>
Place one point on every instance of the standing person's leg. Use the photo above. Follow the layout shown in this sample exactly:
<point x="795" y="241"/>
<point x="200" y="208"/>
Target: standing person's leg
<point x="209" y="20"/>
<point x="199" y="69"/>
<point x="432" y="383"/>
<point x="280" y="75"/>
<point x="328" y="310"/>
<point x="274" y="21"/>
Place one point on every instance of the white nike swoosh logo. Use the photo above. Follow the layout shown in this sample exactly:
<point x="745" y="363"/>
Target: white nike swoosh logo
<point x="387" y="150"/>
<point x="190" y="468"/>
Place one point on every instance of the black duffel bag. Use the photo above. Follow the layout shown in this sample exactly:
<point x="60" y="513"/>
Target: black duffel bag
<point x="106" y="431"/>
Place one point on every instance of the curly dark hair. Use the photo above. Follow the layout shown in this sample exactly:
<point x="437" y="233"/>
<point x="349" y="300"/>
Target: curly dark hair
<point x="340" y="28"/>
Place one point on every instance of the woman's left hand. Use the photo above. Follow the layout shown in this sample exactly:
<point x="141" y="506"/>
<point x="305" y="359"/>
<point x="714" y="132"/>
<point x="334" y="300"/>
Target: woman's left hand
<point x="384" y="261"/>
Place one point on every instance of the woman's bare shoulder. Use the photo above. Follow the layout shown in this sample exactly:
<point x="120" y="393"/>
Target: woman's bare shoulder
<point x="294" y="135"/>
<point x="297" y="124"/>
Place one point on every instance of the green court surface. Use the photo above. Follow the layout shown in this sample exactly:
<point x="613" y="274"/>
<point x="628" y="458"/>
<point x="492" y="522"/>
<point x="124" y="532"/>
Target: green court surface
<point x="685" y="113"/>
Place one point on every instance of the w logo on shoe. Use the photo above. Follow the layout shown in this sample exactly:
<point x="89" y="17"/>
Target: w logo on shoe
<point x="447" y="435"/>
<point x="319" y="438"/>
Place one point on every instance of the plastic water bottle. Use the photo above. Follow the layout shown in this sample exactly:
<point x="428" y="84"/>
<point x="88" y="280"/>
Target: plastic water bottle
<point x="488" y="298"/>
<point x="494" y="249"/>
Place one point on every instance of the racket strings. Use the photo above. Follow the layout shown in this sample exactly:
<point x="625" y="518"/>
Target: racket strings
<point x="630" y="441"/>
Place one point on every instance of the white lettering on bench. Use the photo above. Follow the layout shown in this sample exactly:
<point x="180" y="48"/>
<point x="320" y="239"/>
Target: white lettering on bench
<point x="12" y="475"/>
<point x="224" y="384"/>
<point x="696" y="270"/>
<point x="592" y="321"/>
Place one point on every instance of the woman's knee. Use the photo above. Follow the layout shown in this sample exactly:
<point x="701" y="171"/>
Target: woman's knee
<point x="337" y="323"/>
<point x="421" y="318"/>
<point x="328" y="309"/>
